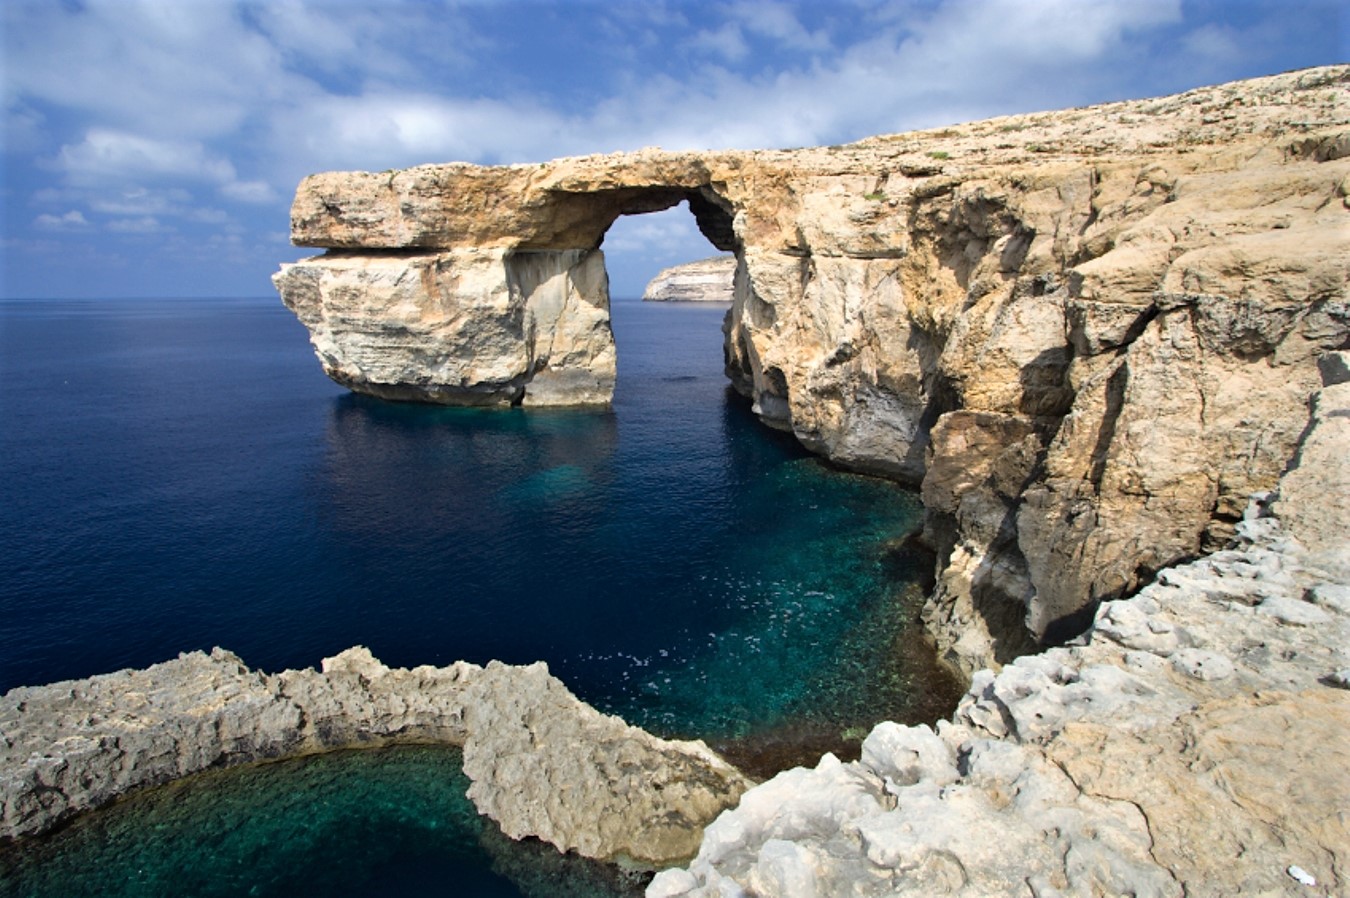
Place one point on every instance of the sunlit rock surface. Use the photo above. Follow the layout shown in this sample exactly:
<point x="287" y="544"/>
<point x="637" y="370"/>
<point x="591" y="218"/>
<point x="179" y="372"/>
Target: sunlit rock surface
<point x="707" y="280"/>
<point x="1088" y="334"/>
<point x="1191" y="743"/>
<point x="542" y="762"/>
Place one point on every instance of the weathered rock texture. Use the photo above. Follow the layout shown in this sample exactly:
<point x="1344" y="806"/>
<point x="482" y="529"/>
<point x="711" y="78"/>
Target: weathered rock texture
<point x="707" y="280"/>
<point x="469" y="326"/>
<point x="1191" y="743"/>
<point x="542" y="762"/>
<point x="1089" y="334"/>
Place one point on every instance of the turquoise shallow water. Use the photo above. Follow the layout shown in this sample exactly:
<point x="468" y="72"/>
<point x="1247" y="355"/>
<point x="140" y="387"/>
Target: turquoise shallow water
<point x="383" y="822"/>
<point x="178" y="475"/>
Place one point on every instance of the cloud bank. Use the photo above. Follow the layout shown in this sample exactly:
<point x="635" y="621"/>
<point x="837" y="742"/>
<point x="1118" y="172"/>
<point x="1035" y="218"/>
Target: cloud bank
<point x="125" y="118"/>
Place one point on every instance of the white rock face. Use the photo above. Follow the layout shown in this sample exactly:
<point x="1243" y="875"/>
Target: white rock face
<point x="542" y="762"/>
<point x="1192" y="742"/>
<point x="460" y="327"/>
<point x="707" y="280"/>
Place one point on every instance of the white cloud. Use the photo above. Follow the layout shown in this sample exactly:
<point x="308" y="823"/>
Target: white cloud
<point x="777" y="21"/>
<point x="959" y="60"/>
<point x="660" y="233"/>
<point x="73" y="220"/>
<point x="173" y="70"/>
<point x="386" y="128"/>
<point x="144" y="225"/>
<point x="110" y="166"/>
<point x="726" y="42"/>
<point x="249" y="191"/>
<point x="106" y="155"/>
<point x="138" y="201"/>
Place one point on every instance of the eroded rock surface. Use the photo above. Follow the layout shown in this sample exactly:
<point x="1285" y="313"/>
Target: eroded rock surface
<point x="707" y="280"/>
<point x="1191" y="743"/>
<point x="545" y="764"/>
<point x="464" y="326"/>
<point x="542" y="762"/>
<point x="1088" y="334"/>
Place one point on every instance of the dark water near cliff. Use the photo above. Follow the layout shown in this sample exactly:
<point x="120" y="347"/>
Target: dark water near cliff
<point x="179" y="474"/>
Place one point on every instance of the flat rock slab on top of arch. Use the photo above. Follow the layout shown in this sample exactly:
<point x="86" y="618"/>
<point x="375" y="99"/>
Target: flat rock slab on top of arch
<point x="520" y="207"/>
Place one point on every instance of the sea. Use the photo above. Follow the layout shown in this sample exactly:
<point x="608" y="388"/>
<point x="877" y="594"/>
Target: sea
<point x="178" y="474"/>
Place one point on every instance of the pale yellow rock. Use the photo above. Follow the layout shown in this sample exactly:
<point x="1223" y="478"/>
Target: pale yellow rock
<point x="1148" y="283"/>
<point x="460" y="327"/>
<point x="707" y="280"/>
<point x="542" y="762"/>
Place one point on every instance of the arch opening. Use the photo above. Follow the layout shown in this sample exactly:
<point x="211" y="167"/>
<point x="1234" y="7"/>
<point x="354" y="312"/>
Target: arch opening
<point x="495" y="297"/>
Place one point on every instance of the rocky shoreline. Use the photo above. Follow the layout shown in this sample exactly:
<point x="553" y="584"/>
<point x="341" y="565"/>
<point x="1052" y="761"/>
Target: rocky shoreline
<point x="1192" y="742"/>
<point x="542" y="763"/>
<point x="1089" y="336"/>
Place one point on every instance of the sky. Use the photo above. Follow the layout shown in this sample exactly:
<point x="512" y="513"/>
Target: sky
<point x="151" y="147"/>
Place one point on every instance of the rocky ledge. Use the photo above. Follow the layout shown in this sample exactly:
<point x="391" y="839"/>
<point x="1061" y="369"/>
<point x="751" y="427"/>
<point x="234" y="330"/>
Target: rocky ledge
<point x="1089" y="335"/>
<point x="542" y="763"/>
<point x="707" y="280"/>
<point x="1192" y="742"/>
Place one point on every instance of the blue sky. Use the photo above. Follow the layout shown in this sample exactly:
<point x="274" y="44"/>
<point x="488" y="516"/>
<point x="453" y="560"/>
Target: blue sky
<point x="151" y="146"/>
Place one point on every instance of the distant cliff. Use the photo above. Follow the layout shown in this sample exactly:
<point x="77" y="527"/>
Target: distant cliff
<point x="707" y="280"/>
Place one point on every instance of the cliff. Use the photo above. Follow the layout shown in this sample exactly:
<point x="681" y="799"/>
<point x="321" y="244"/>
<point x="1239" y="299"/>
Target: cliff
<point x="542" y="762"/>
<point x="707" y="280"/>
<point x="1087" y="335"/>
<point x="1190" y="743"/>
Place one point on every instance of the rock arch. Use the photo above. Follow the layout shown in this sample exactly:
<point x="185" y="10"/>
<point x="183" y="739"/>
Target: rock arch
<point x="1088" y="335"/>
<point x="474" y="286"/>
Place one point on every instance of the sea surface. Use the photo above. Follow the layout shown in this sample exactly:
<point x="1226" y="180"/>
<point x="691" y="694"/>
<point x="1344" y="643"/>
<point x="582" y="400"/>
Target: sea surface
<point x="179" y="474"/>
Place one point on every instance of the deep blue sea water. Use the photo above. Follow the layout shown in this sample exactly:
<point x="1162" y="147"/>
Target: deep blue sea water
<point x="179" y="474"/>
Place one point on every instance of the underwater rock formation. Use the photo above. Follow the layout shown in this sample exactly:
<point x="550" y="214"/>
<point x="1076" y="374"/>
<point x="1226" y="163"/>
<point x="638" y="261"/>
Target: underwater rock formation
<point x="542" y="762"/>
<point x="1089" y="334"/>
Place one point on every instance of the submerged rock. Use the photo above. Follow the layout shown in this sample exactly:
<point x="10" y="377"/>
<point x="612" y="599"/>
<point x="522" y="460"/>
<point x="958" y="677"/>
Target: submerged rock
<point x="542" y="762"/>
<point x="707" y="280"/>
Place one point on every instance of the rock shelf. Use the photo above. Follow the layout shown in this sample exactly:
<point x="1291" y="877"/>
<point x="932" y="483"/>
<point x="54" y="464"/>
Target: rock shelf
<point x="1192" y="742"/>
<point x="542" y="762"/>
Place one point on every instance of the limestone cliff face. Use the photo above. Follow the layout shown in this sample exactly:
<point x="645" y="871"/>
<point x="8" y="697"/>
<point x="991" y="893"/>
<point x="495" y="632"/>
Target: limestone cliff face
<point x="1089" y="335"/>
<point x="707" y="280"/>
<point x="469" y="326"/>
<point x="1190" y="743"/>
